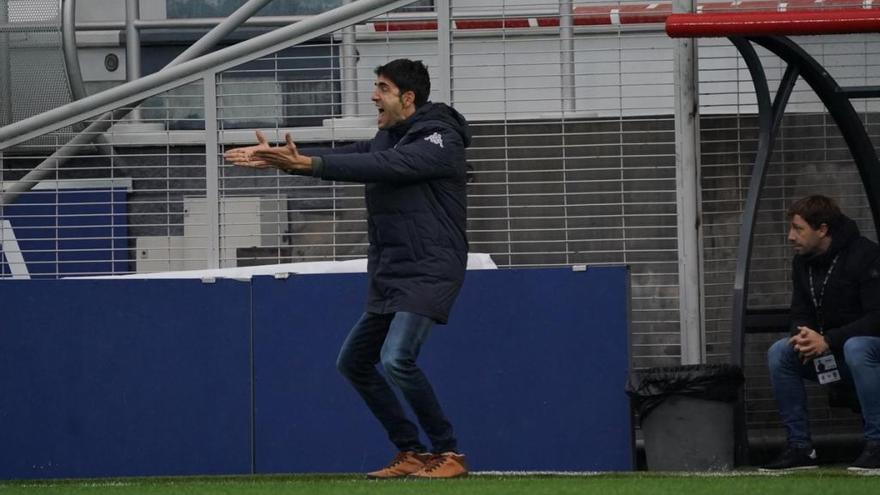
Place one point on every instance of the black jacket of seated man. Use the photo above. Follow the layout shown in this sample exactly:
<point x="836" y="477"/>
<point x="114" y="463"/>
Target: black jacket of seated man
<point x="851" y="299"/>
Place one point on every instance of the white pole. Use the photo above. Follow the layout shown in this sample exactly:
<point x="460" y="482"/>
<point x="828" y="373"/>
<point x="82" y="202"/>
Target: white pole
<point x="212" y="171"/>
<point x="442" y="87"/>
<point x="566" y="53"/>
<point x="687" y="183"/>
<point x="132" y="48"/>
<point x="349" y="71"/>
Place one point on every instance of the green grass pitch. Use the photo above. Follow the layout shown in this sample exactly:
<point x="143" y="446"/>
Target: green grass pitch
<point x="818" y="482"/>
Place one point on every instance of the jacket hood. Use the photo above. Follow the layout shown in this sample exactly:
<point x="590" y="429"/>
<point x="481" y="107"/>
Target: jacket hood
<point x="436" y="112"/>
<point x="843" y="232"/>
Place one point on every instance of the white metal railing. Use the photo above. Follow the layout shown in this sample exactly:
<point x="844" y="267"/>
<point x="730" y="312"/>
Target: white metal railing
<point x="193" y="70"/>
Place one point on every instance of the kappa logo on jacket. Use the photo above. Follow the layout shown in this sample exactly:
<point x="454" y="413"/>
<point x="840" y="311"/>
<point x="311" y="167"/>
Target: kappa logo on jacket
<point x="435" y="138"/>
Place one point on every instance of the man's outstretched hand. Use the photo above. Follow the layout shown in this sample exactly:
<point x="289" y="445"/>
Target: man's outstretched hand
<point x="262" y="155"/>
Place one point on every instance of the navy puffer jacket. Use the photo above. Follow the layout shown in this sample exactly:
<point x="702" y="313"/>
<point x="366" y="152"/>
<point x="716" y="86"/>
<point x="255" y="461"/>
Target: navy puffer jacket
<point x="416" y="177"/>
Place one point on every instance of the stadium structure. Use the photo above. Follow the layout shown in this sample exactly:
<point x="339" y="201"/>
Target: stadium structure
<point x="632" y="134"/>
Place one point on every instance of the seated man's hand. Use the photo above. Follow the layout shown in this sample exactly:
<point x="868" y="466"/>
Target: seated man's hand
<point x="808" y="343"/>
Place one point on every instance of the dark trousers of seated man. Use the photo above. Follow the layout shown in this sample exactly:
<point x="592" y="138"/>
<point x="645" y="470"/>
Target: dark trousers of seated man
<point x="860" y="366"/>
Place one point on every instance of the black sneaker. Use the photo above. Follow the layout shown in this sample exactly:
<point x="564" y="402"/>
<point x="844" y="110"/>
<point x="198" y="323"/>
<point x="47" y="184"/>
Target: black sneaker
<point x="793" y="458"/>
<point x="869" y="461"/>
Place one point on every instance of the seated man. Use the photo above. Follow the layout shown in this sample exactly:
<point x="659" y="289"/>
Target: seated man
<point x="835" y="327"/>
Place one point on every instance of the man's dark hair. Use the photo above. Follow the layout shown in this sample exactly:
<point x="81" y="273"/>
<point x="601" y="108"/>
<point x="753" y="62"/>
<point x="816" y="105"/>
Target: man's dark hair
<point x="408" y="75"/>
<point x="815" y="210"/>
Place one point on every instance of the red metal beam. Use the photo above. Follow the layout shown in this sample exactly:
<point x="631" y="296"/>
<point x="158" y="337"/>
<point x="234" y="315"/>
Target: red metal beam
<point x="744" y="16"/>
<point x="804" y="22"/>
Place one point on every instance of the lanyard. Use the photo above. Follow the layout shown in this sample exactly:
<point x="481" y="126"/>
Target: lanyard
<point x="817" y="302"/>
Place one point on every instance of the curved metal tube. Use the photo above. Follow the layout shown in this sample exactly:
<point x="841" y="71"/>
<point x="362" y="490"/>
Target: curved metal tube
<point x="841" y="110"/>
<point x="769" y="118"/>
<point x="750" y="210"/>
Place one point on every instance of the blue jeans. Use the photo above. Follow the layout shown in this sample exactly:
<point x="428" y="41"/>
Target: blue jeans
<point x="395" y="340"/>
<point x="860" y="366"/>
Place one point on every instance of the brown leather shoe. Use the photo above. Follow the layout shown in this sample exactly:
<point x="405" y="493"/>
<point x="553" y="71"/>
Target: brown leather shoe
<point x="403" y="464"/>
<point x="445" y="465"/>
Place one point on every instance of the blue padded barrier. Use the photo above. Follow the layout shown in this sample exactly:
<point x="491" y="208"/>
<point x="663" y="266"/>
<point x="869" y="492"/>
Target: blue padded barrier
<point x="175" y="377"/>
<point x="123" y="378"/>
<point x="530" y="370"/>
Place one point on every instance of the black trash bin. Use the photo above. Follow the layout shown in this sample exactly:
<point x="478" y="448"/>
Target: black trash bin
<point x="686" y="414"/>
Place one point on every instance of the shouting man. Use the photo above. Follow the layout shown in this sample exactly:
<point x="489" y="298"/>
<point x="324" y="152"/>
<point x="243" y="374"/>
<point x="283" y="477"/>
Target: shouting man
<point x="415" y="174"/>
